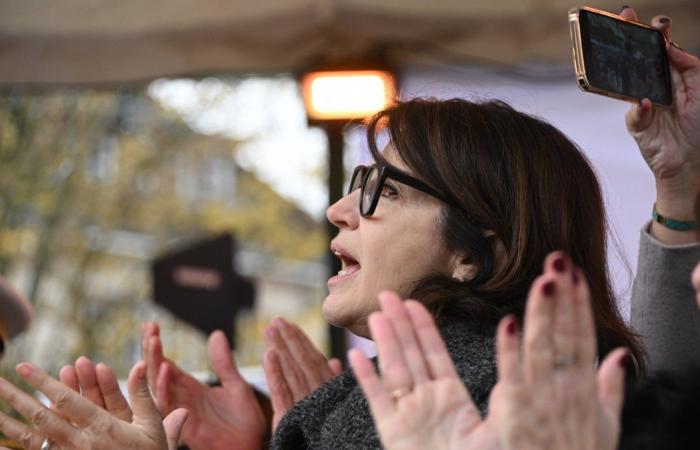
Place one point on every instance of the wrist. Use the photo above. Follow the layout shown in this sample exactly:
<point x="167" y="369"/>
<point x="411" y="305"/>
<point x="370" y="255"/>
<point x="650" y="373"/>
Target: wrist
<point x="677" y="199"/>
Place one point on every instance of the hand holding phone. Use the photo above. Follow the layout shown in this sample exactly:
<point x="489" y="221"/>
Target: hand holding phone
<point x="620" y="58"/>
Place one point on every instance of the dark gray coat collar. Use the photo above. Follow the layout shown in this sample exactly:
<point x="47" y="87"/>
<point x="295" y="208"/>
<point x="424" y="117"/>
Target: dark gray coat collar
<point x="336" y="415"/>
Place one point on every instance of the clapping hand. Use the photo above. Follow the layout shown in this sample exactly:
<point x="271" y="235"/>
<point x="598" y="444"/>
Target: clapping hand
<point x="78" y="423"/>
<point x="222" y="417"/>
<point x="293" y="366"/>
<point x="549" y="394"/>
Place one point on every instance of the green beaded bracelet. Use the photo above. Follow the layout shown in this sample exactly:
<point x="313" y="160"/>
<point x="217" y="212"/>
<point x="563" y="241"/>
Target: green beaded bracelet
<point x="678" y="225"/>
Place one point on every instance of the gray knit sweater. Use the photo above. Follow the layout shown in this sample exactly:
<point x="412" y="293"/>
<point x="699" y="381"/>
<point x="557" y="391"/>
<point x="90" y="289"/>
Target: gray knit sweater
<point x="336" y="415"/>
<point x="664" y="312"/>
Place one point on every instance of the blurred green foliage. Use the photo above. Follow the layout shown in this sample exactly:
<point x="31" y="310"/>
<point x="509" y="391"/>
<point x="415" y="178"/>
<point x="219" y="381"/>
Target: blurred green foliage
<point x="94" y="183"/>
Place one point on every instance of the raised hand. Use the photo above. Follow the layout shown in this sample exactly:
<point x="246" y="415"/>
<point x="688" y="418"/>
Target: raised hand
<point x="548" y="395"/>
<point x="293" y="366"/>
<point x="221" y="417"/>
<point x="79" y="423"/>
<point x="420" y="402"/>
<point x="98" y="384"/>
<point x="669" y="138"/>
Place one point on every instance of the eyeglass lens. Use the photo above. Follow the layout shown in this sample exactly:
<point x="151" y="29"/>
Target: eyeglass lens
<point x="369" y="189"/>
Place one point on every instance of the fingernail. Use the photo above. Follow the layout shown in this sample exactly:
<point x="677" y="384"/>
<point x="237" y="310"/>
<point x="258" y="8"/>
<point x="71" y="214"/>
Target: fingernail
<point x="664" y="20"/>
<point x="559" y="264"/>
<point x="24" y="370"/>
<point x="574" y="277"/>
<point x="512" y="327"/>
<point x="548" y="288"/>
<point x="677" y="46"/>
<point x="624" y="8"/>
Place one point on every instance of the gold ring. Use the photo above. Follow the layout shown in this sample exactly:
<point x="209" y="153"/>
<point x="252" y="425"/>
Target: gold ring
<point x="400" y="392"/>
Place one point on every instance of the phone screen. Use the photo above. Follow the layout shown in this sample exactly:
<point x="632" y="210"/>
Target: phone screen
<point x="624" y="58"/>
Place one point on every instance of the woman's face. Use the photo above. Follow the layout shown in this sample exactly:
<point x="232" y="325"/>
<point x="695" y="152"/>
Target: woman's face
<point x="397" y="246"/>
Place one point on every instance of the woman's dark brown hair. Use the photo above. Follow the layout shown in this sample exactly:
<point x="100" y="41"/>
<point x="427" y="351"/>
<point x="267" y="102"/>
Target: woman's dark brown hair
<point x="519" y="177"/>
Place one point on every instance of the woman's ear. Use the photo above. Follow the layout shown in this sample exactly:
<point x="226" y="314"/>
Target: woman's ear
<point x="465" y="269"/>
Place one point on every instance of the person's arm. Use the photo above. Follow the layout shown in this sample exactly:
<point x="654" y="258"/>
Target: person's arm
<point x="663" y="308"/>
<point x="664" y="312"/>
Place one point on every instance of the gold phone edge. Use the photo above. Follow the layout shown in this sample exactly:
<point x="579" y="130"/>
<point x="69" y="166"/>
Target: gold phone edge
<point x="579" y="63"/>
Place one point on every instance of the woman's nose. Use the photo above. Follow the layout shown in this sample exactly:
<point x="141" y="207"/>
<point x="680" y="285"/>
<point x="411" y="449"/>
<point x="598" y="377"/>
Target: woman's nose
<point x="344" y="213"/>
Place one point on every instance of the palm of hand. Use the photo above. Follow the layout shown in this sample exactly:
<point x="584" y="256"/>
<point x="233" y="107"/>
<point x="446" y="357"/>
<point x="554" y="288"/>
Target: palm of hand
<point x="439" y="411"/>
<point x="525" y="412"/>
<point x="232" y="416"/>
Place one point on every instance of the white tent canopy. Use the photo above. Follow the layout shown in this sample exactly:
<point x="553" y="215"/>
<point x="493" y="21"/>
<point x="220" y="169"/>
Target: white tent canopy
<point x="110" y="42"/>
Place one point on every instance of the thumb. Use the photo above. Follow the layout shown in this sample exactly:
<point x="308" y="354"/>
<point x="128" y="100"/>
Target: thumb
<point x="611" y="381"/>
<point x="221" y="359"/>
<point x="145" y="412"/>
<point x="173" y="424"/>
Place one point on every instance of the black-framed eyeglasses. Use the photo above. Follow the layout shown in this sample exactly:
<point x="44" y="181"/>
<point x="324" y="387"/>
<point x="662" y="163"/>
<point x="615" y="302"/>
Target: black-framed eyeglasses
<point x="370" y="180"/>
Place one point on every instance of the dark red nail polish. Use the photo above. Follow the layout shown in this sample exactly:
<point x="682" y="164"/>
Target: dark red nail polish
<point x="574" y="277"/>
<point x="559" y="264"/>
<point x="512" y="327"/>
<point x="664" y="20"/>
<point x="548" y="288"/>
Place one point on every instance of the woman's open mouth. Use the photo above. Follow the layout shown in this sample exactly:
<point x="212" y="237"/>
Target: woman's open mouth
<point x="349" y="267"/>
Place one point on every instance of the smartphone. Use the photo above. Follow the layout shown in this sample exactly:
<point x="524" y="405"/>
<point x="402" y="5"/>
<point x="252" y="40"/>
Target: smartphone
<point x="619" y="58"/>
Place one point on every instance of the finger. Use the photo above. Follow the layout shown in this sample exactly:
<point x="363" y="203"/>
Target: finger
<point x="565" y="335"/>
<point x="88" y="381"/>
<point x="395" y="372"/>
<point x="508" y="356"/>
<point x="115" y="403"/>
<point x="312" y="364"/>
<point x="587" y="347"/>
<point x="68" y="376"/>
<point x="380" y="402"/>
<point x="154" y="358"/>
<point x="164" y="382"/>
<point x="67" y="401"/>
<point x="538" y="350"/>
<point x="628" y="13"/>
<point x="323" y="368"/>
<point x="663" y="24"/>
<point x="20" y="432"/>
<point x="290" y="370"/>
<point x="173" y="424"/>
<point x="335" y="365"/>
<point x="144" y="408"/>
<point x="611" y="381"/>
<point x="394" y="310"/>
<point x="640" y="116"/>
<point x="280" y="395"/>
<point x="221" y="359"/>
<point x="438" y="360"/>
<point x="681" y="60"/>
<point x="148" y="331"/>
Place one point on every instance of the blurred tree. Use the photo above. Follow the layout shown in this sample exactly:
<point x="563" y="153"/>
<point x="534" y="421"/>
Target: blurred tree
<point x="92" y="185"/>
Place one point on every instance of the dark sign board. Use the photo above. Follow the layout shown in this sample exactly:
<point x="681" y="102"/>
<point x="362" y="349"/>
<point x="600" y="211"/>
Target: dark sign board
<point x="198" y="285"/>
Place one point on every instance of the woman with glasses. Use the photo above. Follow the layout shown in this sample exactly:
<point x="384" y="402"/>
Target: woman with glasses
<point x="458" y="211"/>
